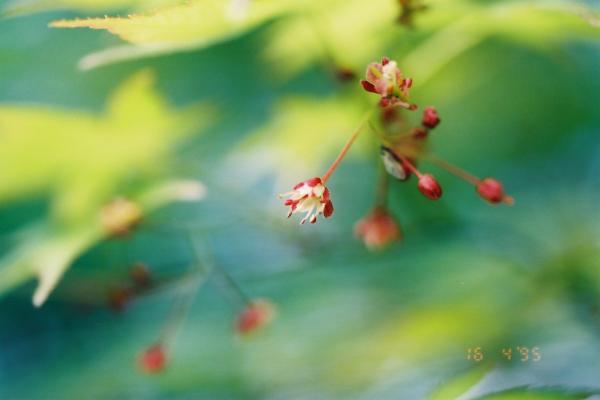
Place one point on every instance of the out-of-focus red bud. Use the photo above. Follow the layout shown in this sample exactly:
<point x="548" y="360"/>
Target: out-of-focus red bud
<point x="431" y="118"/>
<point x="377" y="229"/>
<point x="256" y="315"/>
<point x="153" y="360"/>
<point x="430" y="187"/>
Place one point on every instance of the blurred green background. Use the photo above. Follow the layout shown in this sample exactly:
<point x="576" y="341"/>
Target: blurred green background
<point x="251" y="107"/>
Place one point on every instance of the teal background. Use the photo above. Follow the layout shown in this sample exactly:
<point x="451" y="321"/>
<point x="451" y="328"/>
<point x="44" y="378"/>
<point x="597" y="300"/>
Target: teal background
<point x="350" y="323"/>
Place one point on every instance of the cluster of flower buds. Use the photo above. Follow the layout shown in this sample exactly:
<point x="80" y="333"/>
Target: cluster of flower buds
<point x="139" y="282"/>
<point x="402" y="148"/>
<point x="386" y="80"/>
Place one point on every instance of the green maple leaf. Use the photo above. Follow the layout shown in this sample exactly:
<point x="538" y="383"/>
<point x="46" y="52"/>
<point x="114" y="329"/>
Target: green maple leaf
<point x="81" y="161"/>
<point x="195" y="24"/>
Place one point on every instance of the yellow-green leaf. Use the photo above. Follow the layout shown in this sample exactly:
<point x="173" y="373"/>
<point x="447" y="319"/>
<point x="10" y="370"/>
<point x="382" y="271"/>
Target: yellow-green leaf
<point x="194" y="23"/>
<point x="80" y="161"/>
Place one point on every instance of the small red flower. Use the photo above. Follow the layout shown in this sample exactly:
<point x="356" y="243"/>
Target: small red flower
<point x="386" y="80"/>
<point x="153" y="360"/>
<point x="377" y="229"/>
<point x="431" y="118"/>
<point x="430" y="187"/>
<point x="491" y="190"/>
<point x="310" y="197"/>
<point x="256" y="315"/>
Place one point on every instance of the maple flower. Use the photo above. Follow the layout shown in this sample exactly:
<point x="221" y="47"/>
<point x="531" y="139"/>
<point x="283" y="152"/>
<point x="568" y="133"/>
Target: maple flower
<point x="377" y="229"/>
<point x="310" y="197"/>
<point x="385" y="79"/>
<point x="256" y="315"/>
<point x="153" y="360"/>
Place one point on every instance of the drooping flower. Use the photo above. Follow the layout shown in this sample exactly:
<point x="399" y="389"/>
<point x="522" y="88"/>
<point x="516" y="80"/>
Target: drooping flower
<point x="377" y="229"/>
<point x="386" y="80"/>
<point x="310" y="197"/>
<point x="153" y="360"/>
<point x="255" y="316"/>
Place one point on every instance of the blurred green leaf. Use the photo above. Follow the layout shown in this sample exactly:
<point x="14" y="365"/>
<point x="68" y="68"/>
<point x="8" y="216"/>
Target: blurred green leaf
<point x="538" y="394"/>
<point x="82" y="161"/>
<point x="196" y="24"/>
<point x="458" y="385"/>
<point x="20" y="7"/>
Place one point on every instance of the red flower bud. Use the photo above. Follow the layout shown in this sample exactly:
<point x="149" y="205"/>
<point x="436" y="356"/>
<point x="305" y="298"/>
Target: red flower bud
<point x="256" y="315"/>
<point x="153" y="360"/>
<point x="377" y="229"/>
<point x="429" y="187"/>
<point x="491" y="190"/>
<point x="430" y="117"/>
